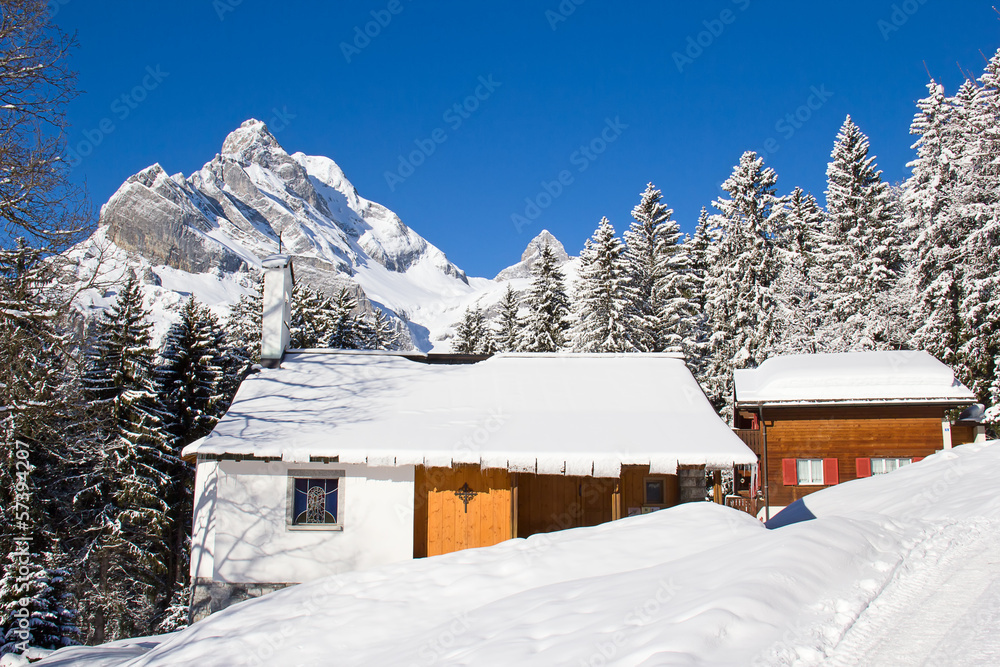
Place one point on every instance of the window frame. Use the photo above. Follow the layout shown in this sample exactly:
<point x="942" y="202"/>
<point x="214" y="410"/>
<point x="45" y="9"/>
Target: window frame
<point x="812" y="470"/>
<point x="662" y="481"/>
<point x="898" y="461"/>
<point x="291" y="476"/>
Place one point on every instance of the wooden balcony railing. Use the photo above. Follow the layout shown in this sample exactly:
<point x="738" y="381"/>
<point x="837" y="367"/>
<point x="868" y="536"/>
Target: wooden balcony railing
<point x="743" y="504"/>
<point x="753" y="439"/>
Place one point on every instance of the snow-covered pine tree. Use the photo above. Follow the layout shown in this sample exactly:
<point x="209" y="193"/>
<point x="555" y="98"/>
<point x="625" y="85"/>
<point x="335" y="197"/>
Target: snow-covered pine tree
<point x="508" y="325"/>
<point x="699" y="252"/>
<point x="344" y="331"/>
<point x="650" y="246"/>
<point x="127" y="474"/>
<point x="378" y="332"/>
<point x="473" y="334"/>
<point x="698" y="249"/>
<point x="39" y="589"/>
<point x="676" y="293"/>
<point x="189" y="375"/>
<point x="743" y="267"/>
<point x="34" y="456"/>
<point x="192" y="391"/>
<point x="865" y="261"/>
<point x="548" y="306"/>
<point x="604" y="298"/>
<point x="310" y="325"/>
<point x="933" y="214"/>
<point x="979" y="183"/>
<point x="801" y="280"/>
<point x="243" y="326"/>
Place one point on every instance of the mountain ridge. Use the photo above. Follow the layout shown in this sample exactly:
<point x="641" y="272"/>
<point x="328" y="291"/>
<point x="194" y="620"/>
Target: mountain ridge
<point x="182" y="233"/>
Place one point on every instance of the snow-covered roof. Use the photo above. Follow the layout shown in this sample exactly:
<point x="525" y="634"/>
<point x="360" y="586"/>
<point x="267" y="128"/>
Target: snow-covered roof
<point x="851" y="378"/>
<point x="550" y="414"/>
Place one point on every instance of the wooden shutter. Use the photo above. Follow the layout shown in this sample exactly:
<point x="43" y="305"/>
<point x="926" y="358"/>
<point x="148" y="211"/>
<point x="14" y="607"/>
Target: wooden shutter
<point x="831" y="471"/>
<point x="789" y="475"/>
<point x="864" y="467"/>
<point x="916" y="458"/>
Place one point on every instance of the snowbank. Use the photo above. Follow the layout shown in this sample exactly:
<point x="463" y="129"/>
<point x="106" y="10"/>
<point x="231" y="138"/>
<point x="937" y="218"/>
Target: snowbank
<point x="851" y="377"/>
<point x="698" y="584"/>
<point x="551" y="414"/>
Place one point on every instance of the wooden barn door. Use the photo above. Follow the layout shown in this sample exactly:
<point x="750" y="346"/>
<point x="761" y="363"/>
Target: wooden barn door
<point x="546" y="503"/>
<point x="460" y="508"/>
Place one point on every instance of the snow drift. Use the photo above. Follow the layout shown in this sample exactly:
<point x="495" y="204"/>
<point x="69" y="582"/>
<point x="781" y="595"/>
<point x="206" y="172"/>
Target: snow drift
<point x="698" y="584"/>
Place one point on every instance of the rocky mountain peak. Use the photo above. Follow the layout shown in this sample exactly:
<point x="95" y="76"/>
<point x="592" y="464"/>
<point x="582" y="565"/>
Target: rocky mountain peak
<point x="249" y="141"/>
<point x="544" y="238"/>
<point x="531" y="254"/>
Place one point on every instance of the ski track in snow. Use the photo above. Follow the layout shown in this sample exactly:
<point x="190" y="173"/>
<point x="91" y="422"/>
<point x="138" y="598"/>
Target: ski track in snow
<point x="942" y="608"/>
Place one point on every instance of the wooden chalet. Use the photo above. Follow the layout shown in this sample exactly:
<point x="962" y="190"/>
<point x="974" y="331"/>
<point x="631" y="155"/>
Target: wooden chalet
<point x="332" y="461"/>
<point x="821" y="419"/>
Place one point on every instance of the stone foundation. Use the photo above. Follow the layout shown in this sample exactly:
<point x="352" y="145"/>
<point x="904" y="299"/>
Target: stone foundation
<point x="208" y="597"/>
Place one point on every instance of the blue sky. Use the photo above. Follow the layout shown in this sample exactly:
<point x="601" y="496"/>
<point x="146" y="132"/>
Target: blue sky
<point x="603" y="96"/>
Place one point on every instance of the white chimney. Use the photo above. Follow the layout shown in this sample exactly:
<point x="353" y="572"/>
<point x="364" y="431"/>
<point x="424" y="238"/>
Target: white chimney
<point x="277" y="315"/>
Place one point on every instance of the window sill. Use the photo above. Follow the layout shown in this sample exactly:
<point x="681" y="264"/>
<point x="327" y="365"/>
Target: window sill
<point x="318" y="526"/>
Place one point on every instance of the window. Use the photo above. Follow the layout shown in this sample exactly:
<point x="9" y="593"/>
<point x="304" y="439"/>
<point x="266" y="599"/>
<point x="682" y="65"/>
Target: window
<point x="809" y="471"/>
<point x="314" y="499"/>
<point x="883" y="466"/>
<point x="655" y="492"/>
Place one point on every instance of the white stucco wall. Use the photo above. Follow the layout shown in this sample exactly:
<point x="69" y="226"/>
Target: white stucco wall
<point x="245" y="527"/>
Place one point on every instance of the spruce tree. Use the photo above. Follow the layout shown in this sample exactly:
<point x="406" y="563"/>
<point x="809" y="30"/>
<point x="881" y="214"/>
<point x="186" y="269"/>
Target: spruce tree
<point x="933" y="213"/>
<point x="473" y="334"/>
<point x="604" y="298"/>
<point x="127" y="474"/>
<point x="509" y="324"/>
<point x="310" y="325"/>
<point x="343" y="326"/>
<point x="865" y="263"/>
<point x="650" y="248"/>
<point x="801" y="280"/>
<point x="548" y="306"/>
<point x="378" y="332"/>
<point x="243" y="325"/>
<point x="743" y="268"/>
<point x="980" y="200"/>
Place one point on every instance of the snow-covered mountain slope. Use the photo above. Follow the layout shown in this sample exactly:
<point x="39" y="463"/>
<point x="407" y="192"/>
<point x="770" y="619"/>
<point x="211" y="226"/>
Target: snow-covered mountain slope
<point x="906" y="560"/>
<point x="204" y="233"/>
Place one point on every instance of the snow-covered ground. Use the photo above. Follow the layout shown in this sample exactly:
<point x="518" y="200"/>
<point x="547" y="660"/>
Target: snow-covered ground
<point x="895" y="569"/>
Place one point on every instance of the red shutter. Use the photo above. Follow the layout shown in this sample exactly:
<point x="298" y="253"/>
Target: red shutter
<point x="917" y="458"/>
<point x="831" y="471"/>
<point x="864" y="468"/>
<point x="788" y="474"/>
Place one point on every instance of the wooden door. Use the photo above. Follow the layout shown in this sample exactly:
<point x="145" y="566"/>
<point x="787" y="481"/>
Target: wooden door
<point x="546" y="503"/>
<point x="460" y="508"/>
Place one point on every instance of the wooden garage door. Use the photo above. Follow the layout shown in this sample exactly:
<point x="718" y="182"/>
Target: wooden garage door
<point x="444" y="522"/>
<point x="546" y="503"/>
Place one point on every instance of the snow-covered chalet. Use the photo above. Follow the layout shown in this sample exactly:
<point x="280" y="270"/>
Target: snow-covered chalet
<point x="816" y="420"/>
<point x="332" y="461"/>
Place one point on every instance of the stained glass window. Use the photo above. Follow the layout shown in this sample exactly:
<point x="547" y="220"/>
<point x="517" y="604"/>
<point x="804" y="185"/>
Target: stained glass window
<point x="315" y="501"/>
